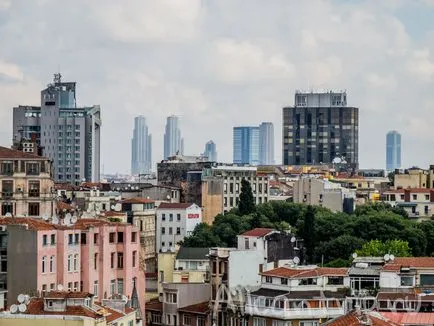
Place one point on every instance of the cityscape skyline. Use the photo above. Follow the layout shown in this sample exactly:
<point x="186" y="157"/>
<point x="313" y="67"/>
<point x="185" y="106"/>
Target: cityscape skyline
<point x="204" y="67"/>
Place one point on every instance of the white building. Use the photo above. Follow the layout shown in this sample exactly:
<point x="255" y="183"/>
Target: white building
<point x="174" y="222"/>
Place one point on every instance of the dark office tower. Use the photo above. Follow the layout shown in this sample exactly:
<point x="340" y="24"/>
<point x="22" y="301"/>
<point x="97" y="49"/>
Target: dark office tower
<point x="319" y="128"/>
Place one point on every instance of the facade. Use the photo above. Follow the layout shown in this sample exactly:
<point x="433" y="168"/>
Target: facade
<point x="246" y="145"/>
<point x="319" y="128"/>
<point x="26" y="184"/>
<point x="69" y="135"/>
<point x="174" y="222"/>
<point x="266" y="143"/>
<point x="393" y="150"/>
<point x="221" y="188"/>
<point x="319" y="192"/>
<point x="417" y="202"/>
<point x="92" y="255"/>
<point x="173" y="141"/>
<point x="191" y="265"/>
<point x="414" y="178"/>
<point x="141" y="148"/>
<point x="210" y="151"/>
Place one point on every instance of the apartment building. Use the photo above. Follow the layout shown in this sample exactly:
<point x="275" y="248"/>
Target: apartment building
<point x="174" y="222"/>
<point x="94" y="256"/>
<point x="191" y="265"/>
<point x="417" y="202"/>
<point x="26" y="184"/>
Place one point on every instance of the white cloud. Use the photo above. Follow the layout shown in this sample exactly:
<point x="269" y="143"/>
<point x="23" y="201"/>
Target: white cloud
<point x="10" y="71"/>
<point x="421" y="65"/>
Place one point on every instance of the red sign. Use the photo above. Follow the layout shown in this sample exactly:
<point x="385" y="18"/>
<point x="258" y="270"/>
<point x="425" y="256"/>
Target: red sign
<point x="193" y="216"/>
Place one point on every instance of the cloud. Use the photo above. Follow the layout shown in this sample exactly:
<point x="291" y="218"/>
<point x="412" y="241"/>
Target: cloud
<point x="10" y="71"/>
<point x="421" y="65"/>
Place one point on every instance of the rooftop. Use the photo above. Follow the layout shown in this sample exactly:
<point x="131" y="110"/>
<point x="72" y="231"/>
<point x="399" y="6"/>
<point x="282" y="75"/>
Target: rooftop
<point x="192" y="253"/>
<point x="199" y="308"/>
<point x="305" y="272"/>
<point x="295" y="295"/>
<point x="175" y="205"/>
<point x="412" y="262"/>
<point x="36" y="307"/>
<point x="363" y="318"/>
<point x="67" y="295"/>
<point x="137" y="200"/>
<point x="410" y="318"/>
<point x="8" y="153"/>
<point x="258" y="232"/>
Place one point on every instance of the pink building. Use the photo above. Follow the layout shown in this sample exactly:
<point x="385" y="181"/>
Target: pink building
<point x="93" y="255"/>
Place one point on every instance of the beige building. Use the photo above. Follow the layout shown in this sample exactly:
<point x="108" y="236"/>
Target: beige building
<point x="417" y="202"/>
<point x="412" y="178"/>
<point x="191" y="265"/>
<point x="26" y="184"/>
<point x="166" y="263"/>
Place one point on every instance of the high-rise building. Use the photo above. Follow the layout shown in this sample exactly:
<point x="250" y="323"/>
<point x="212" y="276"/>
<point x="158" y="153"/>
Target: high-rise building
<point x="266" y="143"/>
<point x="69" y="135"/>
<point x="173" y="142"/>
<point x="210" y="151"/>
<point x="319" y="128"/>
<point x="393" y="150"/>
<point x="141" y="147"/>
<point x="246" y="145"/>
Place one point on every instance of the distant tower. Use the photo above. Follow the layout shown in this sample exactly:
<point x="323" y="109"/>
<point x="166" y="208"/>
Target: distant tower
<point x="246" y="145"/>
<point x="266" y="143"/>
<point x="173" y="142"/>
<point x="393" y="150"/>
<point x="141" y="147"/>
<point x="210" y="151"/>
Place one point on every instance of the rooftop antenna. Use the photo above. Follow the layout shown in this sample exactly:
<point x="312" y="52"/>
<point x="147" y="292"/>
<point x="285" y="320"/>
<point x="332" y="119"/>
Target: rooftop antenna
<point x="57" y="78"/>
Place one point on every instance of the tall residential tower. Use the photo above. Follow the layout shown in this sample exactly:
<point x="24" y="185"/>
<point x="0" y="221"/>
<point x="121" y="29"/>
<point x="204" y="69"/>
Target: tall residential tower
<point x="266" y="143"/>
<point x="141" y="147"/>
<point x="319" y="128"/>
<point x="69" y="135"/>
<point x="173" y="142"/>
<point x="393" y="150"/>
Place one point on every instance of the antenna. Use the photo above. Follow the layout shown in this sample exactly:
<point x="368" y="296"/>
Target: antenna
<point x="296" y="260"/>
<point x="14" y="308"/>
<point x="22" y="307"/>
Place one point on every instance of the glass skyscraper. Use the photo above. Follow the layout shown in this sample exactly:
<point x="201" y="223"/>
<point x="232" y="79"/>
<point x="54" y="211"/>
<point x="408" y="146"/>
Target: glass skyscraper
<point x="266" y="143"/>
<point x="246" y="145"/>
<point x="173" y="142"/>
<point x="393" y="150"/>
<point x="210" y="151"/>
<point x="141" y="147"/>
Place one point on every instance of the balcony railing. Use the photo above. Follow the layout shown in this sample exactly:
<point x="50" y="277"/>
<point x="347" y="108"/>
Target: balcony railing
<point x="295" y="313"/>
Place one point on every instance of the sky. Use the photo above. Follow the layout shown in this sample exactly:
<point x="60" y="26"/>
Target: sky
<point x="225" y="63"/>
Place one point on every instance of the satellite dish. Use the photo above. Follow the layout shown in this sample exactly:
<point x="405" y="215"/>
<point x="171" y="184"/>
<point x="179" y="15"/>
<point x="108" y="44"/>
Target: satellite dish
<point x="172" y="249"/>
<point x="8" y="215"/>
<point x="21" y="298"/>
<point x="74" y="219"/>
<point x="67" y="220"/>
<point x="68" y="216"/>
<point x="168" y="197"/>
<point x="296" y="260"/>
<point x="125" y="298"/>
<point x="14" y="308"/>
<point x="27" y="299"/>
<point x="113" y="207"/>
<point x="386" y="257"/>
<point x="293" y="239"/>
<point x="355" y="255"/>
<point x="164" y="249"/>
<point x="392" y="257"/>
<point x="60" y="287"/>
<point x="55" y="220"/>
<point x="22" y="307"/>
<point x="45" y="217"/>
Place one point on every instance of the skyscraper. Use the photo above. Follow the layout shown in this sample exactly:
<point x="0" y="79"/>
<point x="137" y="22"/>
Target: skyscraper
<point x="319" y="128"/>
<point x="393" y="150"/>
<point x="266" y="143"/>
<point x="141" y="147"/>
<point x="210" y="151"/>
<point x="246" y="145"/>
<point x="173" y="142"/>
<point x="69" y="135"/>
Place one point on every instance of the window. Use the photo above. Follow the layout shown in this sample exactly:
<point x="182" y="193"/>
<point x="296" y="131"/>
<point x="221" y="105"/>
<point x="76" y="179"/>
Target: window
<point x="7" y="189"/>
<point x="34" y="188"/>
<point x="268" y="279"/>
<point x="335" y="280"/>
<point x="33" y="209"/>
<point x="45" y="240"/>
<point x="187" y="320"/>
<point x="170" y="230"/>
<point x="407" y="280"/>
<point x="70" y="239"/>
<point x="69" y="286"/>
<point x="426" y="197"/>
<point x="83" y="238"/>
<point x="120" y="286"/>
<point x="51" y="264"/>
<point x="163" y="230"/>
<point x="120" y="237"/>
<point x="178" y="217"/>
<point x="156" y="319"/>
<point x="95" y="261"/>
<point x="171" y="297"/>
<point x="76" y="262"/>
<point x="134" y="258"/>
<point x="171" y="217"/>
<point x="7" y="208"/>
<point x="53" y="239"/>
<point x="44" y="287"/>
<point x="112" y="260"/>
<point x="309" y="323"/>
<point x="414" y="196"/>
<point x="32" y="168"/>
<point x="7" y="168"/>
<point x="163" y="217"/>
<point x="44" y="264"/>
<point x="75" y="286"/>
<point x="133" y="236"/>
<point x="95" y="238"/>
<point x="280" y="323"/>
<point x="77" y="238"/>
<point x="200" y="321"/>
<point x="95" y="289"/>
<point x="258" y="321"/>
<point x="120" y="260"/>
<point x="112" y="287"/>
<point x="52" y="285"/>
<point x="69" y="263"/>
<point x="130" y="323"/>
<point x="112" y="237"/>
<point x="178" y="230"/>
<point x="284" y="281"/>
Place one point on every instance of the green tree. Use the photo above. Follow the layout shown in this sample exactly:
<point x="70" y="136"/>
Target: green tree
<point x="377" y="248"/>
<point x="427" y="228"/>
<point x="247" y="203"/>
<point x="308" y="233"/>
<point x="203" y="237"/>
<point x="341" y="247"/>
<point x="339" y="262"/>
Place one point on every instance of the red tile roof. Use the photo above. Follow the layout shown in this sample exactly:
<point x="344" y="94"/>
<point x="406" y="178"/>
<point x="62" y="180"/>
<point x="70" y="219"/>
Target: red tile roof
<point x="137" y="200"/>
<point x="8" y="153"/>
<point x="175" y="205"/>
<point x="36" y="307"/>
<point x="67" y="295"/>
<point x="415" y="262"/>
<point x="287" y="272"/>
<point x="199" y="308"/>
<point x="351" y="319"/>
<point x="410" y="318"/>
<point x="258" y="232"/>
<point x="64" y="186"/>
<point x="113" y="314"/>
<point x="64" y="206"/>
<point x="154" y="305"/>
<point x="32" y="223"/>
